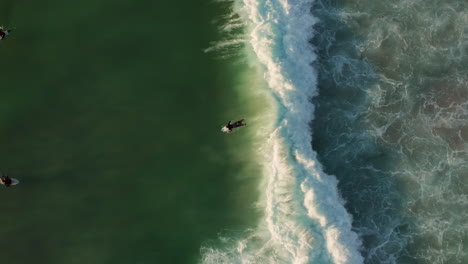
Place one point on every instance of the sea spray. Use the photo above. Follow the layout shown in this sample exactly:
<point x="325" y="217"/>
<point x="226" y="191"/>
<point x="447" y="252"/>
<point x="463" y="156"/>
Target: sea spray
<point x="304" y="217"/>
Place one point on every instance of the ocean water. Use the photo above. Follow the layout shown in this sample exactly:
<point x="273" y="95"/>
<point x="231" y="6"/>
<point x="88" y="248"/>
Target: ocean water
<point x="365" y="159"/>
<point x="391" y="124"/>
<point x="304" y="219"/>
<point x="109" y="115"/>
<point x="354" y="151"/>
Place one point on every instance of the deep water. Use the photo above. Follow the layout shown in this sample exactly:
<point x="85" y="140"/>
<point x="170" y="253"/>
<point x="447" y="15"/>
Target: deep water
<point x="109" y="115"/>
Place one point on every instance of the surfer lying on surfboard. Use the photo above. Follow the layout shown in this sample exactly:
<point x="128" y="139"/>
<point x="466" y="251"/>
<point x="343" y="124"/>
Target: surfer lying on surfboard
<point x="230" y="126"/>
<point x="7" y="181"/>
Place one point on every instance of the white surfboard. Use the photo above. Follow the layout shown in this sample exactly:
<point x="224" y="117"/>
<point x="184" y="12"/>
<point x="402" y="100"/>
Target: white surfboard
<point x="13" y="182"/>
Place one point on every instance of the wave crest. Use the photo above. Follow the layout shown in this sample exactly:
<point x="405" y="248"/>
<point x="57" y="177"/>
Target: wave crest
<point x="305" y="220"/>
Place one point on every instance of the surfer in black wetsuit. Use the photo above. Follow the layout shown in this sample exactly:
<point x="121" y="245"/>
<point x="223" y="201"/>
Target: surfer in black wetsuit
<point x="6" y="180"/>
<point x="230" y="126"/>
<point x="4" y="33"/>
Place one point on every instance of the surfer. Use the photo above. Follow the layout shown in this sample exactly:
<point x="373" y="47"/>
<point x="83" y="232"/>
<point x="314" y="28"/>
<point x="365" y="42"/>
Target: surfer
<point x="4" y="33"/>
<point x="6" y="180"/>
<point x="230" y="126"/>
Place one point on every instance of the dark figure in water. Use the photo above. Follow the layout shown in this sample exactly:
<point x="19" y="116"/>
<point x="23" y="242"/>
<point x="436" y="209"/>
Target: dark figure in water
<point x="230" y="126"/>
<point x="6" y="180"/>
<point x="4" y="33"/>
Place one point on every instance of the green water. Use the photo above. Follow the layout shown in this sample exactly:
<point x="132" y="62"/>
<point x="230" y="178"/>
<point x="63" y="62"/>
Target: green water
<point x="110" y="115"/>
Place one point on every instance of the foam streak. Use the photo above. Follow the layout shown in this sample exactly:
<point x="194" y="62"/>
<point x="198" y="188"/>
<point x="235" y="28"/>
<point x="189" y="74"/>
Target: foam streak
<point x="280" y="36"/>
<point x="305" y="219"/>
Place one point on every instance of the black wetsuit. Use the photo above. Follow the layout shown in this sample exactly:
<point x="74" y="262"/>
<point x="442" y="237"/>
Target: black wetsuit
<point x="238" y="124"/>
<point x="234" y="125"/>
<point x="6" y="181"/>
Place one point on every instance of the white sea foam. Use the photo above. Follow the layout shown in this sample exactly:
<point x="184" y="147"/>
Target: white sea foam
<point x="305" y="220"/>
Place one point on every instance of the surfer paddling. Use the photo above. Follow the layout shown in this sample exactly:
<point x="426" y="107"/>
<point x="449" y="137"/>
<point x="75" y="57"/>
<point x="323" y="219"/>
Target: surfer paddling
<point x="4" y="33"/>
<point x="6" y="181"/>
<point x="229" y="127"/>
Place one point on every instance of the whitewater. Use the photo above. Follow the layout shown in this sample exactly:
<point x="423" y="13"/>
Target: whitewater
<point x="304" y="218"/>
